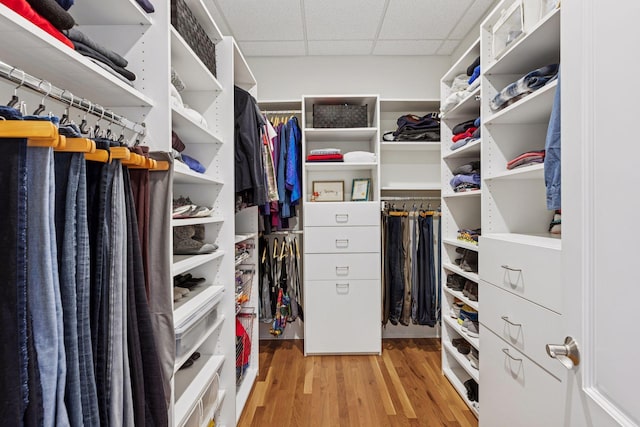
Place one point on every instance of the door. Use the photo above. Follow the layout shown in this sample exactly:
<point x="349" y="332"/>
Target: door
<point x="601" y="209"/>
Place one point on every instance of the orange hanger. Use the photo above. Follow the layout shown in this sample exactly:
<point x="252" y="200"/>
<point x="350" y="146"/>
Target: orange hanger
<point x="121" y="153"/>
<point x="161" y="165"/>
<point x="98" y="155"/>
<point x="38" y="133"/>
<point x="77" y="145"/>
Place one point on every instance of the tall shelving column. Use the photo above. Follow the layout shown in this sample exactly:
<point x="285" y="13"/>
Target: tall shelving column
<point x="459" y="211"/>
<point x="342" y="238"/>
<point x="520" y="270"/>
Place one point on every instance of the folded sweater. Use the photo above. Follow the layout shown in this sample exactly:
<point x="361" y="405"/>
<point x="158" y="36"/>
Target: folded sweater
<point x="24" y="9"/>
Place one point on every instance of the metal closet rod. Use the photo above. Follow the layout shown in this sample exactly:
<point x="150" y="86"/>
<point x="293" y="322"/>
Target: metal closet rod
<point x="408" y="198"/>
<point x="44" y="87"/>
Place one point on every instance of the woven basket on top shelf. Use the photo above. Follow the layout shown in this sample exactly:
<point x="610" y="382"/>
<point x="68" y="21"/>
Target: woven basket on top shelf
<point x="189" y="28"/>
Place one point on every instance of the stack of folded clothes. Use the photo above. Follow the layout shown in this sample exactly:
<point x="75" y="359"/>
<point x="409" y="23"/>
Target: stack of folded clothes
<point x="325" y="155"/>
<point x="359" y="157"/>
<point x="526" y="159"/>
<point x="465" y="132"/>
<point x="469" y="236"/>
<point x="458" y="93"/>
<point x="466" y="177"/>
<point x="415" y="128"/>
<point x="473" y="71"/>
<point x="524" y="86"/>
<point x="46" y="14"/>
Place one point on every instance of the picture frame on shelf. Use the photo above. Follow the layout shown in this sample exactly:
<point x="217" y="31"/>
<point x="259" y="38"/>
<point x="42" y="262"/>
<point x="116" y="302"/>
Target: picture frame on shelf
<point x="328" y="191"/>
<point x="360" y="189"/>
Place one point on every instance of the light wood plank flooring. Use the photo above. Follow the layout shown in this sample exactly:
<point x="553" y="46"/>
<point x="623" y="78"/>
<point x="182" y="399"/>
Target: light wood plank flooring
<point x="402" y="387"/>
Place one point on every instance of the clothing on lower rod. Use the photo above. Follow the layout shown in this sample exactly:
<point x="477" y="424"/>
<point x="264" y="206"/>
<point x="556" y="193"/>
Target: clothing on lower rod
<point x="396" y="268"/>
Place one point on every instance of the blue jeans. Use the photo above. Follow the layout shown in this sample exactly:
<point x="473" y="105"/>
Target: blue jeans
<point x="14" y="386"/>
<point x="427" y="298"/>
<point x="44" y="300"/>
<point x="552" y="164"/>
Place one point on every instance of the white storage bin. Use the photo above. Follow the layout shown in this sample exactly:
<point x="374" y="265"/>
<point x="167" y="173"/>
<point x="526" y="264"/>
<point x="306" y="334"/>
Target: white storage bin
<point x="195" y="327"/>
<point x="507" y="29"/>
<point x="194" y="418"/>
<point x="210" y="398"/>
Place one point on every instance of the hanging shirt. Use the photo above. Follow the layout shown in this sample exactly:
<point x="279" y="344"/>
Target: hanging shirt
<point x="293" y="160"/>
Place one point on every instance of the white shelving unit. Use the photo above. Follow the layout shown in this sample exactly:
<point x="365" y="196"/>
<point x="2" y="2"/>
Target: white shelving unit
<point x="459" y="211"/>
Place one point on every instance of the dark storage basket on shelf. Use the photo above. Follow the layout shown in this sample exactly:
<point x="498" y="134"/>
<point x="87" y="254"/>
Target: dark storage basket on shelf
<point x="189" y="28"/>
<point x="340" y="116"/>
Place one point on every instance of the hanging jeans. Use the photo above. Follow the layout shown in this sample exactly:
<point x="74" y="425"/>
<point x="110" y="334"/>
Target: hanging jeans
<point x="396" y="267"/>
<point x="14" y="387"/>
<point x="43" y="296"/>
<point x="140" y="188"/>
<point x="405" y="318"/>
<point x="426" y="313"/>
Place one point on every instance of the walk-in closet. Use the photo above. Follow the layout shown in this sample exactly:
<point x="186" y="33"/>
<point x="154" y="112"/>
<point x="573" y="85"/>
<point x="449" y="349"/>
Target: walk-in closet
<point x="318" y="213"/>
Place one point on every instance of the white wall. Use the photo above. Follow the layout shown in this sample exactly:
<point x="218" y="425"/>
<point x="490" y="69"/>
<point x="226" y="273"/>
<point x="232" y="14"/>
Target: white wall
<point x="414" y="77"/>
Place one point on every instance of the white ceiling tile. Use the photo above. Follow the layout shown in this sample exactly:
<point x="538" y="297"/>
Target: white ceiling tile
<point x="283" y="48"/>
<point x="406" y="47"/>
<point x="422" y="19"/>
<point x="263" y="20"/>
<point x="343" y="20"/>
<point x="353" y="47"/>
<point x="475" y="12"/>
<point x="448" y="47"/>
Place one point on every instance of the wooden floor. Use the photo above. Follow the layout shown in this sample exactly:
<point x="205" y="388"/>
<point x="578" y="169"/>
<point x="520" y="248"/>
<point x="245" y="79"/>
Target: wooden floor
<point x="402" y="387"/>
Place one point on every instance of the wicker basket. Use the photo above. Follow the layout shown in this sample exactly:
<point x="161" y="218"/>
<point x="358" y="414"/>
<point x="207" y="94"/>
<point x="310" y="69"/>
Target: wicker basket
<point x="189" y="28"/>
<point x="340" y="116"/>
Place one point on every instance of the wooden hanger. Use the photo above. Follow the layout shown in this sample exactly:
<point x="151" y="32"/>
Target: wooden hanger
<point x="38" y="133"/>
<point x="121" y="153"/>
<point x="77" y="145"/>
<point x="98" y="155"/>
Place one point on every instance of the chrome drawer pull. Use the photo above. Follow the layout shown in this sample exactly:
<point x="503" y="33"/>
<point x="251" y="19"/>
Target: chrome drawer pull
<point x="342" y="271"/>
<point x="506" y="267"/>
<point x="342" y="243"/>
<point x="342" y="218"/>
<point x="342" y="288"/>
<point x="506" y="319"/>
<point x="506" y="351"/>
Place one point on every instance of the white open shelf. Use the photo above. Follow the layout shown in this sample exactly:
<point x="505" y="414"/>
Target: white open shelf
<point x="535" y="171"/>
<point x="184" y="263"/>
<point x="460" y="243"/>
<point x="463" y="194"/>
<point x="410" y="146"/>
<point x="244" y="389"/>
<point x="192" y="221"/>
<point x="474" y="341"/>
<point x="466" y="108"/>
<point x="190" y="67"/>
<point x="472" y="149"/>
<point x="205" y="20"/>
<point x="192" y="382"/>
<point x="460" y="296"/>
<point x="532" y="109"/>
<point x="197" y="298"/>
<point x="34" y="51"/>
<point x="337" y="166"/>
<point x="340" y="134"/>
<point x="537" y="48"/>
<point x="184" y="175"/>
<point x="242" y="75"/>
<point x="462" y="360"/>
<point x="460" y="66"/>
<point x="280" y="105"/>
<point x="411" y="186"/>
<point x="114" y="12"/>
<point x="181" y="360"/>
<point x="545" y="240"/>
<point x="455" y="269"/>
<point x="242" y="237"/>
<point x="453" y="375"/>
<point x="191" y="132"/>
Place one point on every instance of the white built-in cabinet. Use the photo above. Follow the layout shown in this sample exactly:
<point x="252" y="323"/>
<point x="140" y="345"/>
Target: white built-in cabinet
<point x="342" y="239"/>
<point x="459" y="211"/>
<point x="520" y="267"/>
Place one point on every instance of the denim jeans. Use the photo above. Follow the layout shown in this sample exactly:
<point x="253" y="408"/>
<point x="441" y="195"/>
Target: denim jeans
<point x="396" y="267"/>
<point x="14" y="385"/>
<point x="44" y="299"/>
<point x="405" y="318"/>
<point x="552" y="169"/>
<point x="426" y="313"/>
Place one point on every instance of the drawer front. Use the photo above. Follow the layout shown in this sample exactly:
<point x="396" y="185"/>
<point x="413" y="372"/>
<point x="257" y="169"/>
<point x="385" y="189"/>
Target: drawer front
<point x="343" y="266"/>
<point x="526" y="326"/>
<point x="514" y="391"/>
<point x="329" y="240"/>
<point x="342" y="317"/>
<point x="341" y="214"/>
<point x="532" y="272"/>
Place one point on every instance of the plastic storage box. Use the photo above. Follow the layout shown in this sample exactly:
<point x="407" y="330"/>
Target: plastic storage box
<point x="194" y="327"/>
<point x="507" y="29"/>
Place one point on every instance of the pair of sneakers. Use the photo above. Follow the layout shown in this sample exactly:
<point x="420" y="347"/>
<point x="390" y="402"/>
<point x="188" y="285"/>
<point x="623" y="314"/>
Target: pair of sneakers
<point x="471" y="386"/>
<point x="470" y="290"/>
<point x="189" y="240"/>
<point x="471" y="328"/>
<point x="183" y="207"/>
<point x="555" y="227"/>
<point x="455" y="282"/>
<point x="474" y="358"/>
<point x="455" y="308"/>
<point x="468" y="261"/>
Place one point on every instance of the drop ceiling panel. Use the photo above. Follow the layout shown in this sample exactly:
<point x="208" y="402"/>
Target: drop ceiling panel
<point x="473" y="15"/>
<point x="284" y="48"/>
<point x="263" y="20"/>
<point x="353" y="47"/>
<point x="448" y="47"/>
<point x="406" y="47"/>
<point x="343" y="20"/>
<point x="422" y="19"/>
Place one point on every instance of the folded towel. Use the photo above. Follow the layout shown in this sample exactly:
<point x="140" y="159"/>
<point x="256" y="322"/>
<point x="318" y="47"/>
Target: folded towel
<point x="359" y="157"/>
<point x="325" y="158"/>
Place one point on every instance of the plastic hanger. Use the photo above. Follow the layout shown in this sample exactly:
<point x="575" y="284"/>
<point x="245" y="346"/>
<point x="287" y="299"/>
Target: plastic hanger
<point x="83" y="123"/>
<point x="37" y="133"/>
<point x="41" y="106"/>
<point x="96" y="127"/>
<point x="65" y="116"/>
<point x="78" y="145"/>
<point x="98" y="155"/>
<point x="14" y="98"/>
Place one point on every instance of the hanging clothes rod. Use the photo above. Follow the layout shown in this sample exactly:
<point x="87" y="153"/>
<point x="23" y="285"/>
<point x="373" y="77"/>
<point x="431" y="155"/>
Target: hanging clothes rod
<point x="407" y="198"/>
<point x="16" y="75"/>
<point x="285" y="232"/>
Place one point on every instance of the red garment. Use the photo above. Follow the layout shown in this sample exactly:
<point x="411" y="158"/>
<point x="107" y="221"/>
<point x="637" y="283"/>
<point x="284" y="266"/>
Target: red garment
<point x="528" y="154"/>
<point x="243" y="344"/>
<point x="466" y="134"/>
<point x="324" y="157"/>
<point x="24" y="9"/>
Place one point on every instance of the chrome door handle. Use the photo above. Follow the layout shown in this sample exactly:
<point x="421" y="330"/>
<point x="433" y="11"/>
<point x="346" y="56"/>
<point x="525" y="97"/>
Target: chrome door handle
<point x="342" y="218"/>
<point x="506" y="267"/>
<point x="342" y="271"/>
<point x="506" y="319"/>
<point x="506" y="351"/>
<point x="567" y="353"/>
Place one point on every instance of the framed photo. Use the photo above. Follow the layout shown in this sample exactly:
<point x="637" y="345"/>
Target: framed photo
<point x="328" y="191"/>
<point x="360" y="189"/>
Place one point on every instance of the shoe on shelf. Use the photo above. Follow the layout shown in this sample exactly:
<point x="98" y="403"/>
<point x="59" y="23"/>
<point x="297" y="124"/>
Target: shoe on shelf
<point x="457" y="341"/>
<point x="555" y="227"/>
<point x="464" y="348"/>
<point x="468" y="312"/>
<point x="471" y="290"/>
<point x="471" y="386"/>
<point x="473" y="329"/>
<point x="183" y="207"/>
<point x="186" y="242"/>
<point x="474" y="358"/>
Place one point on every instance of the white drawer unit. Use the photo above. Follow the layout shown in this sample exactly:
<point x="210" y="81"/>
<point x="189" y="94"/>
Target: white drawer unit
<point x="515" y="391"/>
<point x="343" y="266"/>
<point x="526" y="326"/>
<point x="530" y="271"/>
<point x="322" y="214"/>
<point x="345" y="316"/>
<point x="341" y="240"/>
